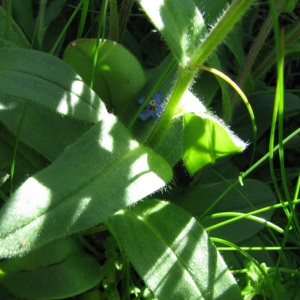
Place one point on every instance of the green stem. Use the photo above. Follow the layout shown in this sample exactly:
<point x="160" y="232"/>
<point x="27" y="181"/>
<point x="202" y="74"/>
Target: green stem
<point x="250" y="258"/>
<point x="271" y="58"/>
<point x="220" y="30"/>
<point x="247" y="172"/>
<point x="166" y="119"/>
<point x="257" y="219"/>
<point x="13" y="163"/>
<point x="100" y="38"/>
<point x="186" y="76"/>
<point x="66" y="28"/>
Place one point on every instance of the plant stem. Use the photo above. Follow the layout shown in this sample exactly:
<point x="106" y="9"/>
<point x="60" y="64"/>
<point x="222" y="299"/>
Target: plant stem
<point x="166" y="119"/>
<point x="235" y="11"/>
<point x="186" y="76"/>
<point x="66" y="27"/>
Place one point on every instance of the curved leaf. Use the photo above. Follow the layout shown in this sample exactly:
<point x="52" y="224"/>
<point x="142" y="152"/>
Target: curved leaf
<point x="51" y="89"/>
<point x="38" y="123"/>
<point x="118" y="76"/>
<point x="75" y="275"/>
<point x="172" y="253"/>
<point x="51" y="253"/>
<point x="47" y="81"/>
<point x="179" y="22"/>
<point x="105" y="170"/>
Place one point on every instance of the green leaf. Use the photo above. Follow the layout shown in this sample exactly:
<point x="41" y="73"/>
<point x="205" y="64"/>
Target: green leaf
<point x="45" y="80"/>
<point x="262" y="105"/>
<point x="287" y="6"/>
<point x="205" y="139"/>
<point x="105" y="170"/>
<point x="51" y="257"/>
<point x="38" y="123"/>
<point x="172" y="253"/>
<point x="170" y="147"/>
<point x="28" y="161"/>
<point x="48" y="13"/>
<point x="52" y="90"/>
<point x="76" y="274"/>
<point x="16" y="37"/>
<point x="179" y="22"/>
<point x="211" y="10"/>
<point x="48" y="254"/>
<point x="118" y="76"/>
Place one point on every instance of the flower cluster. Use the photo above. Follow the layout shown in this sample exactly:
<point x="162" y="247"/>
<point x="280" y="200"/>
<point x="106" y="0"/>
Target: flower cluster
<point x="154" y="107"/>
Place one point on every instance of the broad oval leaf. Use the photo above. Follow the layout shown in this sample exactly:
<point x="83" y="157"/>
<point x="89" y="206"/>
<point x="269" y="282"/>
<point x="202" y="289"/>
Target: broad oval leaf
<point x="205" y="139"/>
<point x="104" y="171"/>
<point x="172" y="253"/>
<point x="118" y="76"/>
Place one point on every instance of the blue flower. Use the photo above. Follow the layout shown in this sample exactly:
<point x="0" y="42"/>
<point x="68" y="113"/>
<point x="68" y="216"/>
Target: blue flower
<point x="153" y="108"/>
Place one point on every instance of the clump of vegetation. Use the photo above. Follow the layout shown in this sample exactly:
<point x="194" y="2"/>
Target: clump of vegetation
<point x="149" y="149"/>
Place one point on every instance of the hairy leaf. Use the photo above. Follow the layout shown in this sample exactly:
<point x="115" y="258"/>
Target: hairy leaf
<point x="179" y="22"/>
<point x="45" y="89"/>
<point x="205" y="139"/>
<point x="172" y="253"/>
<point x="103" y="171"/>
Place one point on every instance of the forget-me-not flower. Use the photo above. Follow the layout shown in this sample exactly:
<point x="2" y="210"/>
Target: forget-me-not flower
<point x="154" y="108"/>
